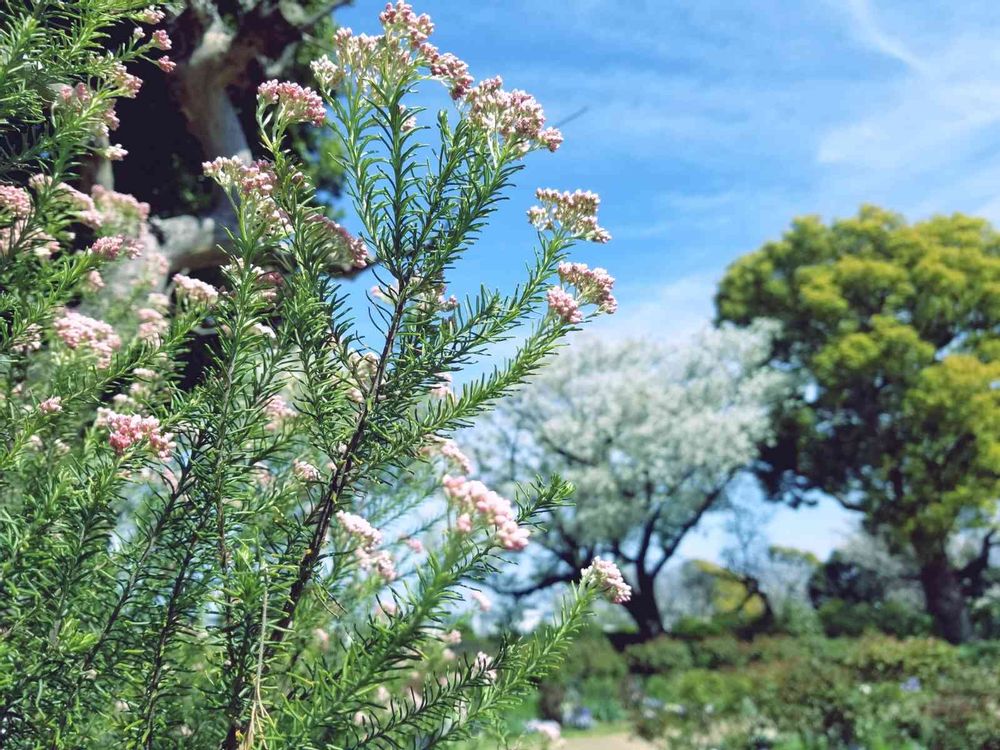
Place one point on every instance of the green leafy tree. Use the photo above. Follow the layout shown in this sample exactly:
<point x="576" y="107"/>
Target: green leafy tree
<point x="892" y="330"/>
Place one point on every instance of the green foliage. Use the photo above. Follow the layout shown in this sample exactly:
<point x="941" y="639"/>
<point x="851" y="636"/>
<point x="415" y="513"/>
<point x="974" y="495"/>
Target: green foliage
<point x="877" y="659"/>
<point x="892" y="330"/>
<point x="824" y="694"/>
<point x="699" y="627"/>
<point x="593" y="656"/>
<point x="198" y="566"/>
<point x="733" y="601"/>
<point x="840" y="618"/>
<point x="592" y="675"/>
<point x="659" y="656"/>
<point x="718" y="651"/>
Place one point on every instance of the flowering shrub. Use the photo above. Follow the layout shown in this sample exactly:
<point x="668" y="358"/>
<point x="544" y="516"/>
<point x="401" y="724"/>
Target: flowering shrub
<point x="231" y="564"/>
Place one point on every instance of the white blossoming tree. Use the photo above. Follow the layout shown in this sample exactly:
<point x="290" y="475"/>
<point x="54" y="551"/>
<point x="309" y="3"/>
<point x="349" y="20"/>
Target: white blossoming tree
<point x="651" y="438"/>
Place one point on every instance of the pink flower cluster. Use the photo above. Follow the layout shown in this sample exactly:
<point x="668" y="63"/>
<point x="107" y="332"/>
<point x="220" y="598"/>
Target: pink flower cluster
<point x="130" y="84"/>
<point x="16" y="201"/>
<point x="347" y="251"/>
<point x="111" y="247"/>
<point x="114" y="152"/>
<point x="400" y="20"/>
<point x="269" y="281"/>
<point x="94" y="281"/>
<point x="78" y="330"/>
<point x="608" y="578"/>
<point x="515" y="116"/>
<point x="328" y="73"/>
<point x="161" y="40"/>
<point x="278" y="411"/>
<point x="128" y="429"/>
<point x="564" y="304"/>
<point x="447" y="68"/>
<point x="357" y="53"/>
<point x="297" y="104"/>
<point x="120" y="213"/>
<point x="255" y="183"/>
<point x="481" y="600"/>
<point x="16" y="204"/>
<point x="594" y="285"/>
<point x="575" y="213"/>
<point x="78" y="99"/>
<point x="414" y="544"/>
<point x="51" y="405"/>
<point x="79" y="203"/>
<point x="151" y="15"/>
<point x="399" y="51"/>
<point x="195" y="290"/>
<point x="381" y="561"/>
<point x="30" y="340"/>
<point x="472" y="496"/>
<point x="450" y="450"/>
<point x="367" y="538"/>
<point x="304" y="471"/>
<point x="402" y="24"/>
<point x="74" y="97"/>
<point x="152" y="325"/>
<point x="255" y="180"/>
<point x="366" y="535"/>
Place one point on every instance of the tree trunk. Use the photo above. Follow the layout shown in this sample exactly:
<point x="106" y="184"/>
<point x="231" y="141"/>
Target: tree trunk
<point x="945" y="600"/>
<point x="644" y="609"/>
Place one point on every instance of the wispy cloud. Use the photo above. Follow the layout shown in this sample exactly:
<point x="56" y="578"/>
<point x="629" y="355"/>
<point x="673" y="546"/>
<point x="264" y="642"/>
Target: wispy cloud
<point x="671" y="312"/>
<point x="869" y="31"/>
<point x="928" y="143"/>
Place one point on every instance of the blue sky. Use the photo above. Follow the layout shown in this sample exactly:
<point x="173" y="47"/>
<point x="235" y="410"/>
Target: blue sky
<point x="706" y="125"/>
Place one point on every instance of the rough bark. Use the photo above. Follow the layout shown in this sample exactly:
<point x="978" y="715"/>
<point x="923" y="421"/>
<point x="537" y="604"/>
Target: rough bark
<point x="222" y="54"/>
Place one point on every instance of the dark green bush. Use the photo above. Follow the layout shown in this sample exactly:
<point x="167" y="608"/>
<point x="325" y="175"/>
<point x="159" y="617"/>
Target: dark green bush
<point x="841" y="618"/>
<point x="873" y="693"/>
<point x="769" y="648"/>
<point x="718" y="651"/>
<point x="593" y="675"/>
<point x="699" y="627"/>
<point x="659" y="656"/>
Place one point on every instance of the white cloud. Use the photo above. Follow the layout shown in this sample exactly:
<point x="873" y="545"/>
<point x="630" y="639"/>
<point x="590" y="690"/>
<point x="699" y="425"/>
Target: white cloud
<point x="951" y="91"/>
<point x="867" y="28"/>
<point x="670" y="312"/>
<point x="928" y="119"/>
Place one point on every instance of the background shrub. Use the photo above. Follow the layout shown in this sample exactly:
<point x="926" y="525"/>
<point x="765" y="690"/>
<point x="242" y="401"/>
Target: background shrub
<point x="717" y="652"/>
<point x="659" y="656"/>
